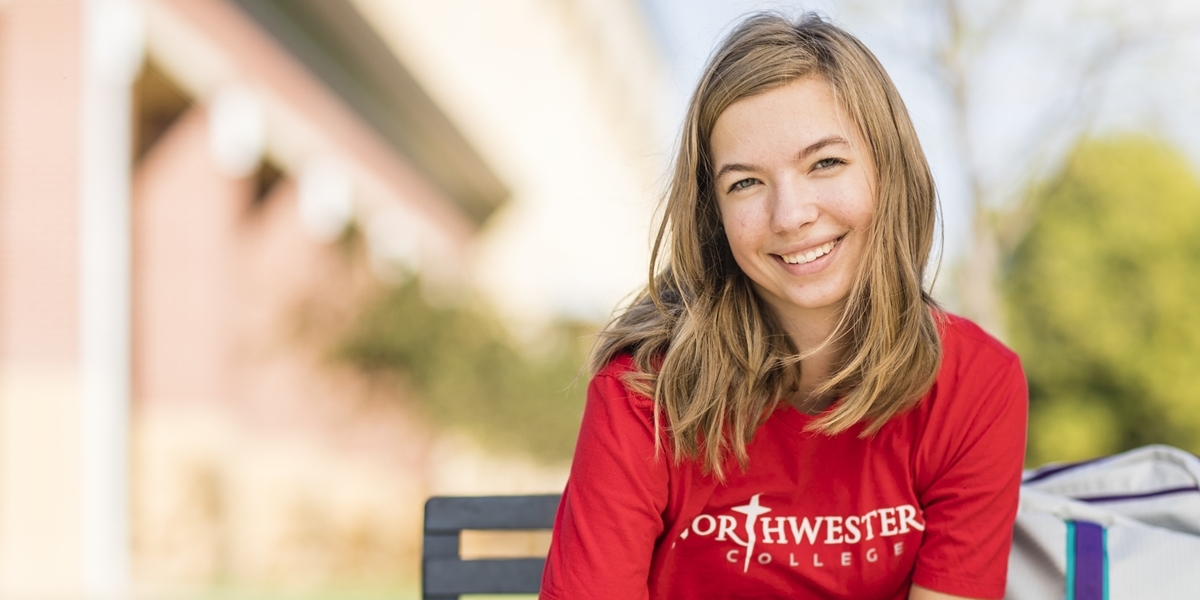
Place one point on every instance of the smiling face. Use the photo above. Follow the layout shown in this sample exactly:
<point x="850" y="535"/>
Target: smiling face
<point x="795" y="185"/>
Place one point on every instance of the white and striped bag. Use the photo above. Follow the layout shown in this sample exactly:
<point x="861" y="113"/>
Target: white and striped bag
<point x="1121" y="527"/>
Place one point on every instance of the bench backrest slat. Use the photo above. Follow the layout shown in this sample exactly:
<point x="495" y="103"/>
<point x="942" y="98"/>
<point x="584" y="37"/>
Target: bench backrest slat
<point x="444" y="575"/>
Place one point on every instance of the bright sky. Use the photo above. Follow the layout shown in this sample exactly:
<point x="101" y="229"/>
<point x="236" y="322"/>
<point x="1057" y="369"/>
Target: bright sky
<point x="575" y="239"/>
<point x="1155" y="88"/>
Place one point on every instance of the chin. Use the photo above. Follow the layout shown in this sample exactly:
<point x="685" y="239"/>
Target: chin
<point x="809" y="302"/>
<point x="817" y="299"/>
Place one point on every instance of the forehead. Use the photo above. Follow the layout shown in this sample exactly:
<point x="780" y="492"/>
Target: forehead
<point x="780" y="121"/>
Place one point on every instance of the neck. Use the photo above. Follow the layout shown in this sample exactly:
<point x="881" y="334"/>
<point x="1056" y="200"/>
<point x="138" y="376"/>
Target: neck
<point x="809" y="330"/>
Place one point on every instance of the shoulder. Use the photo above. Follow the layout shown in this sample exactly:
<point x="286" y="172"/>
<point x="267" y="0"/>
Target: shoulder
<point x="980" y="382"/>
<point x="618" y="424"/>
<point x="611" y="387"/>
<point x="617" y="367"/>
<point x="968" y="349"/>
<point x="976" y="413"/>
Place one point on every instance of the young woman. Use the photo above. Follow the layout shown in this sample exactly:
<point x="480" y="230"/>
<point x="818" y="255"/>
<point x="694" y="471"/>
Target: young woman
<point x="784" y="412"/>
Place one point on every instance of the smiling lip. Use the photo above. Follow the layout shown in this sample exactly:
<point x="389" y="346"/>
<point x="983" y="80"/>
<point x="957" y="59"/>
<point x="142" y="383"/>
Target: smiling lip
<point x="810" y="260"/>
<point x="812" y="253"/>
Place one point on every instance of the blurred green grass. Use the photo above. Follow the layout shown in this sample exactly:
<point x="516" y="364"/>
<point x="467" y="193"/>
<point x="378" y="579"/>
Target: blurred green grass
<point x="405" y="591"/>
<point x="409" y="591"/>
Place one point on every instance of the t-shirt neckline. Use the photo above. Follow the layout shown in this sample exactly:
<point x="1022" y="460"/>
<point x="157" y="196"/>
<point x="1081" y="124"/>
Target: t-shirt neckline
<point x="798" y="420"/>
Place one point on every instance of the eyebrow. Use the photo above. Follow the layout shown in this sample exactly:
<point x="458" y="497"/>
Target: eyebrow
<point x="821" y="143"/>
<point x="805" y="153"/>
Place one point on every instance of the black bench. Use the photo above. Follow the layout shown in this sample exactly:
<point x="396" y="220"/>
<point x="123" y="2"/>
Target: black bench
<point x="444" y="573"/>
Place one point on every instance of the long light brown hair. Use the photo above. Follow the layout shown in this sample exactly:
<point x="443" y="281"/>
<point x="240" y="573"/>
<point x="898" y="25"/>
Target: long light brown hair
<point x="711" y="353"/>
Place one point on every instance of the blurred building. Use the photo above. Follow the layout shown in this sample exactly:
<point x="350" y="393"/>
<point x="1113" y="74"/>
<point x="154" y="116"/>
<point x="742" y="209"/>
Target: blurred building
<point x="567" y="100"/>
<point x="196" y="196"/>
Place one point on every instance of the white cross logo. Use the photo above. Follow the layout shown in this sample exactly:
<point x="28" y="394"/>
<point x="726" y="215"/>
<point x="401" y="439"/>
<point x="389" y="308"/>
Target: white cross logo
<point x="752" y="511"/>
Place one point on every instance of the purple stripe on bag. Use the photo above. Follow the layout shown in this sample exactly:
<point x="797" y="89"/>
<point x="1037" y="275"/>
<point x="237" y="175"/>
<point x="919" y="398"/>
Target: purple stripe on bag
<point x="1089" y="561"/>
<point x="1115" y="498"/>
<point x="1052" y="470"/>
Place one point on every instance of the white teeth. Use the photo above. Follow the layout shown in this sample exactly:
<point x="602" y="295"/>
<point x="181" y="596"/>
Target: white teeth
<point x="811" y="255"/>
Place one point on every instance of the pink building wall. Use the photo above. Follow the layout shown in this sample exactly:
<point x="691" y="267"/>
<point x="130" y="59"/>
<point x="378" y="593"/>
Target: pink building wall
<point x="254" y="455"/>
<point x="39" y="290"/>
<point x="39" y="130"/>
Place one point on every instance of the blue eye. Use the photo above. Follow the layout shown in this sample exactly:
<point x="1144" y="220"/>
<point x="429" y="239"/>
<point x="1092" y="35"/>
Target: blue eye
<point x="742" y="184"/>
<point x="827" y="163"/>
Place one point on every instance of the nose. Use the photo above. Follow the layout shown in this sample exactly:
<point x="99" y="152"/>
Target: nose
<point x="792" y="206"/>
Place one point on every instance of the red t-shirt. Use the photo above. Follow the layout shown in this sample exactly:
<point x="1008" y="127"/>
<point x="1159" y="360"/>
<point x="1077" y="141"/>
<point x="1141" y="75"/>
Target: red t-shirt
<point x="930" y="499"/>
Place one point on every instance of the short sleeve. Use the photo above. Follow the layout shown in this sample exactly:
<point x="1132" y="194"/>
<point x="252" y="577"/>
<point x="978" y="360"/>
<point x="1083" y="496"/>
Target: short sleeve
<point x="970" y="503"/>
<point x="611" y="512"/>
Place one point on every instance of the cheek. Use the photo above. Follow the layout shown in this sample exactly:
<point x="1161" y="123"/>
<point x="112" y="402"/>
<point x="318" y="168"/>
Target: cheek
<point x="742" y="229"/>
<point x="861" y="204"/>
<point x="851" y="206"/>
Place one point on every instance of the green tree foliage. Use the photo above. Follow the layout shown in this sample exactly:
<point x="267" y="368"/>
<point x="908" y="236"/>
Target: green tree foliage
<point x="462" y="370"/>
<point x="1104" y="303"/>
